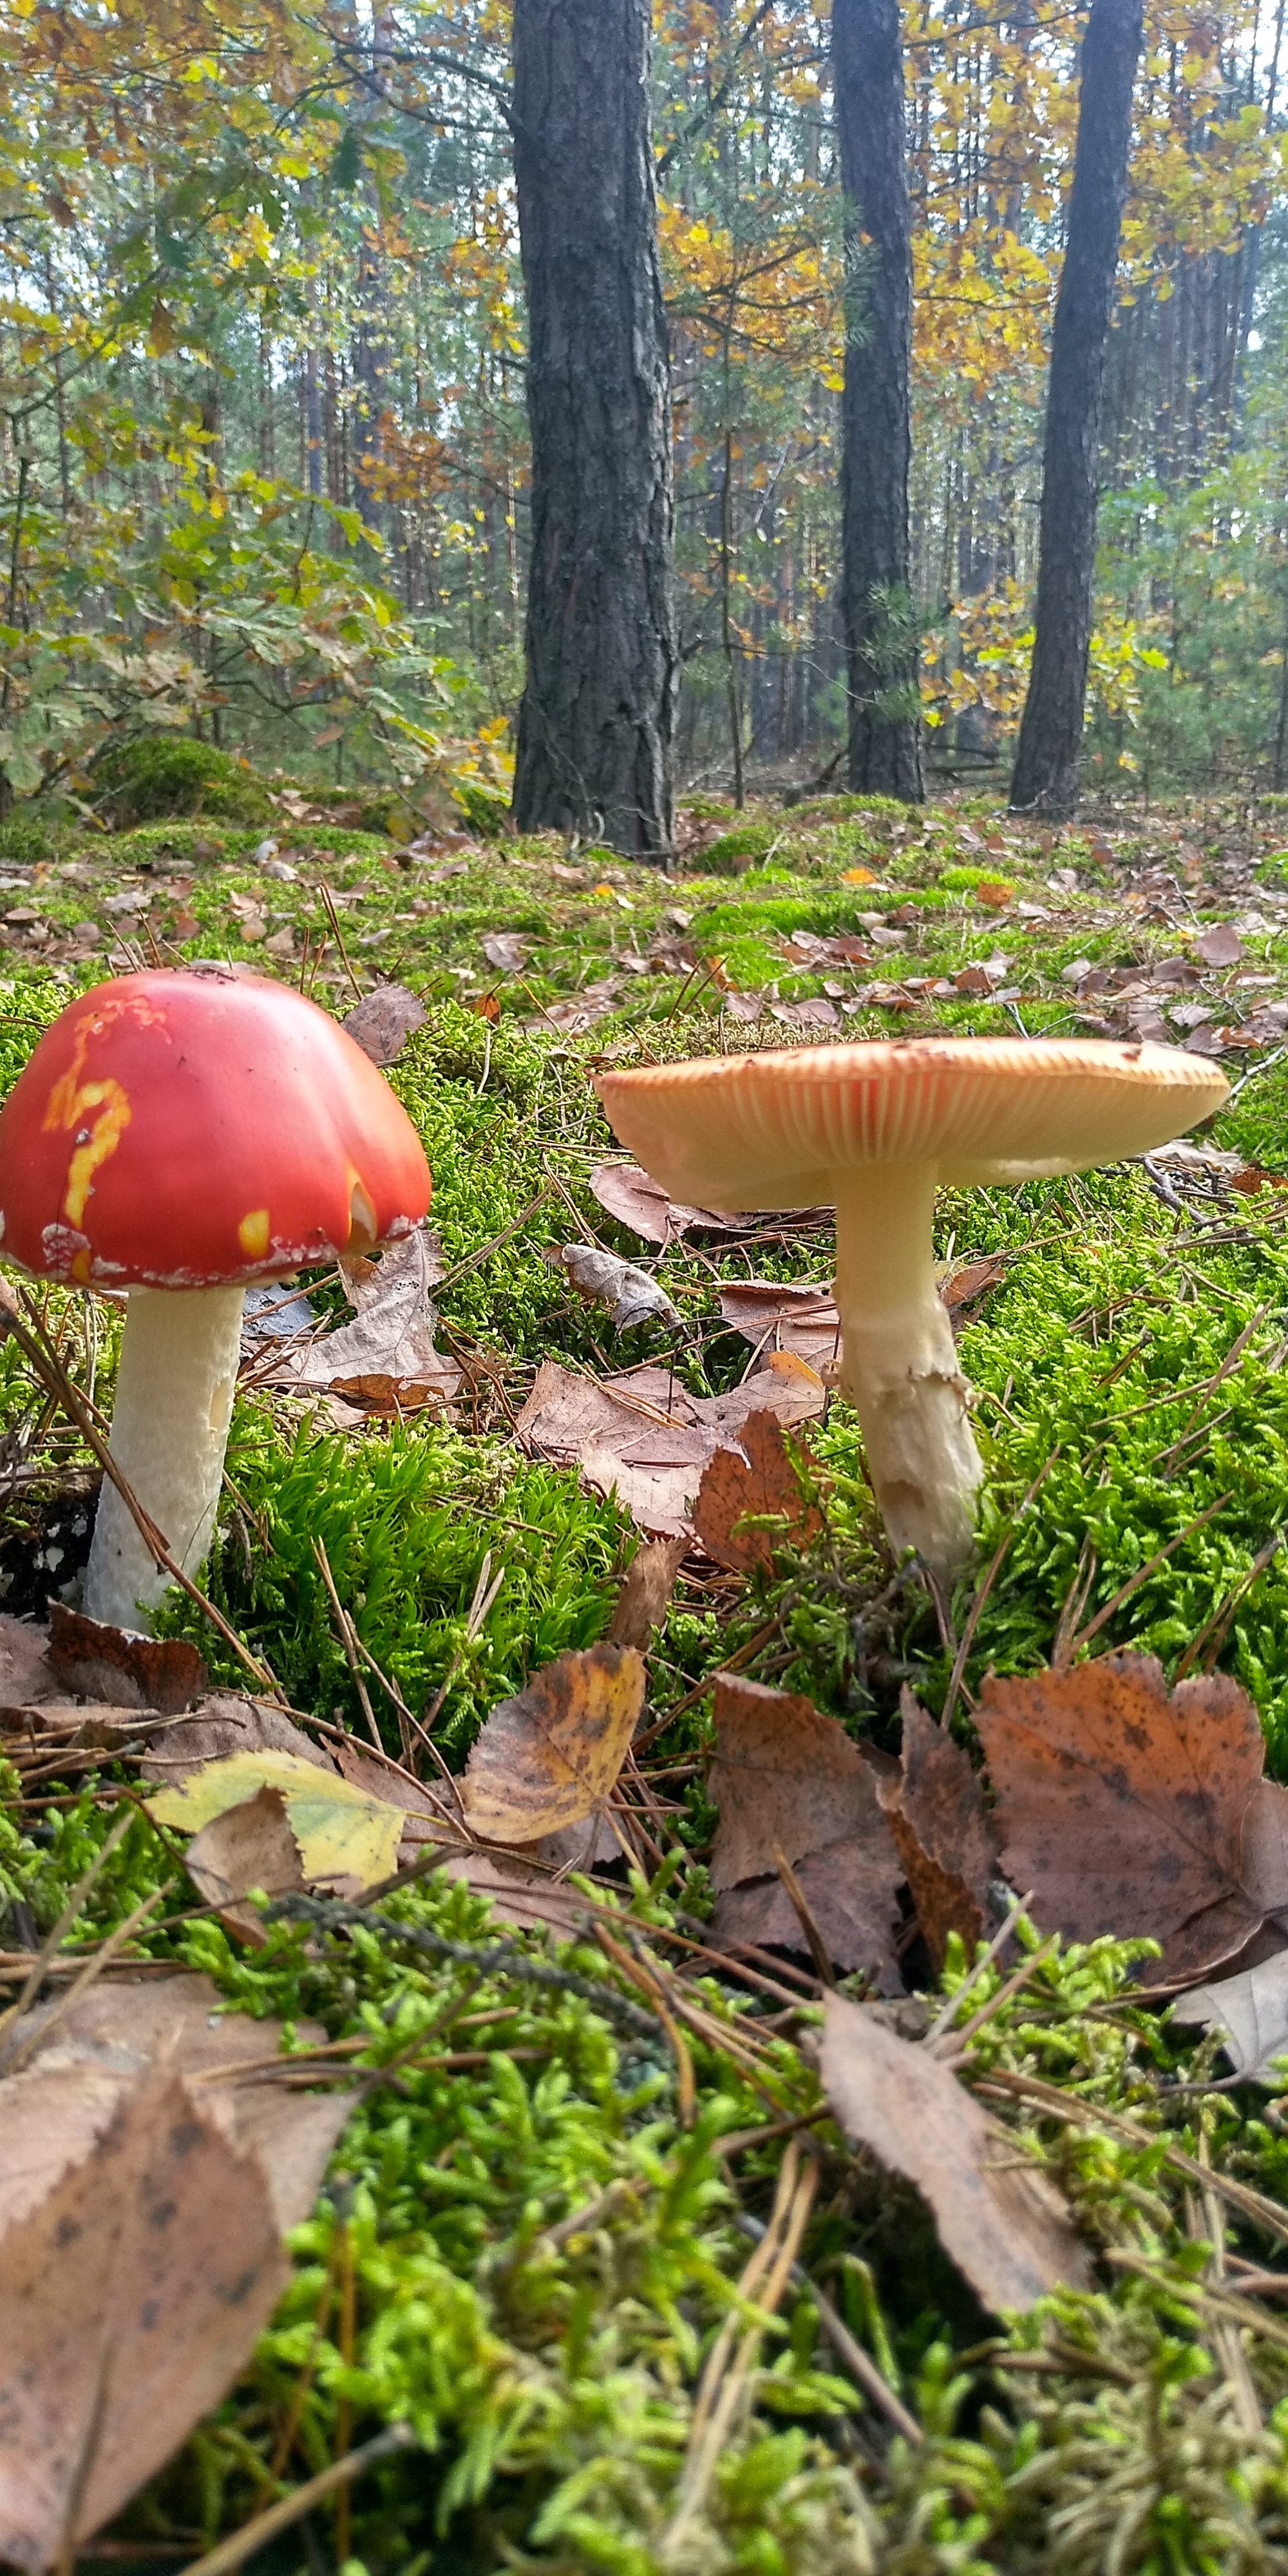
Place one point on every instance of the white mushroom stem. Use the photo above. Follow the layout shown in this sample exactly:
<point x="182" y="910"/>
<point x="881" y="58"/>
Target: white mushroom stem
<point x="174" y="1402"/>
<point x="899" y="1364"/>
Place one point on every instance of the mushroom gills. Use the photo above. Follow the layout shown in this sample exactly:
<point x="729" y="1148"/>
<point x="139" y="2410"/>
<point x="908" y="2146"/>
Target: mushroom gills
<point x="899" y="1364"/>
<point x="174" y="1402"/>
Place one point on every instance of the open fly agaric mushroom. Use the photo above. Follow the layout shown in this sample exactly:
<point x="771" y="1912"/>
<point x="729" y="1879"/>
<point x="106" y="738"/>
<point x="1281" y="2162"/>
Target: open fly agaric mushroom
<point x="181" y="1135"/>
<point x="875" y="1128"/>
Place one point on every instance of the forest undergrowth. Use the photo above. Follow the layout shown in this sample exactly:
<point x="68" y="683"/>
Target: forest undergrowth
<point x="538" y="2245"/>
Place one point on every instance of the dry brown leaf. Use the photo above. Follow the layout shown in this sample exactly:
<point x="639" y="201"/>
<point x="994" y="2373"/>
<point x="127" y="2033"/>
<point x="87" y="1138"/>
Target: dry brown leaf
<point x="142" y="2256"/>
<point x="383" y="1021"/>
<point x="943" y="1832"/>
<point x="551" y="1755"/>
<point x="507" y="950"/>
<point x="642" y="1204"/>
<point x="222" y="1724"/>
<point x="788" y="1780"/>
<point x="799" y="1319"/>
<point x="1219" y="945"/>
<point x="125" y="2023"/>
<point x="131" y="2297"/>
<point x="25" y="1676"/>
<point x="1129" y="1811"/>
<point x="968" y="1281"/>
<point x="251" y="1846"/>
<point x="1004" y="2224"/>
<point x="386" y="1359"/>
<point x="645" y="1596"/>
<point x="744" y="1488"/>
<point x="97" y="1661"/>
<point x="643" y="1436"/>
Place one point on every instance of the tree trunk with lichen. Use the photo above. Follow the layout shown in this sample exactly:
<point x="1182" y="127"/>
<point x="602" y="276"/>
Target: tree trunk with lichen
<point x="1048" y="762"/>
<point x="880" y="624"/>
<point x="597" y="722"/>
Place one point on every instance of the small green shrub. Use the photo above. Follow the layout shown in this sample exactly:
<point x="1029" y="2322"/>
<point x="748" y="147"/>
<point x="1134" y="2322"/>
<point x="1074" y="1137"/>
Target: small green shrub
<point x="26" y="838"/>
<point x="160" y="774"/>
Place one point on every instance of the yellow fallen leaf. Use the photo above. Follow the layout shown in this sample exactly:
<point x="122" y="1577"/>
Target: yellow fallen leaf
<point x="858" y="876"/>
<point x="342" y="1832"/>
<point x="548" y="1757"/>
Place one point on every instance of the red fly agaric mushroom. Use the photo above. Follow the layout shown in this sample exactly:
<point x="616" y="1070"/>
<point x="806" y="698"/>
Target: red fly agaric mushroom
<point x="180" y="1136"/>
<point x="875" y="1128"/>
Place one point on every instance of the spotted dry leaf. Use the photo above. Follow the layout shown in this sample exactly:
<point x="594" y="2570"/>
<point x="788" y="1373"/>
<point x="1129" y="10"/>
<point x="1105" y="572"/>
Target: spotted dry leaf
<point x="1131" y="1810"/>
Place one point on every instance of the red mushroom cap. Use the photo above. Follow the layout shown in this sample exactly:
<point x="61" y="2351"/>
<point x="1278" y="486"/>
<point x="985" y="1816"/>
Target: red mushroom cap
<point x="194" y="1130"/>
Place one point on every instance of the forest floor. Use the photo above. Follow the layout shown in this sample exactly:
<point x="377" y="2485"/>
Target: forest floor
<point x="536" y="2247"/>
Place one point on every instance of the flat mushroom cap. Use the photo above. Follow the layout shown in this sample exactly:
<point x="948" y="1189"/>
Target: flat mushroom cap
<point x="774" y="1130"/>
<point x="200" y="1130"/>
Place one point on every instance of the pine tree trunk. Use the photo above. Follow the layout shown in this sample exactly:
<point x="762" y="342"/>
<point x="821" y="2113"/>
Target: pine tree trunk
<point x="880" y="626"/>
<point x="597" y="723"/>
<point x="1048" y="761"/>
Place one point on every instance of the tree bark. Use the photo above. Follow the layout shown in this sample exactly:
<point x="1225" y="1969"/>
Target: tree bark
<point x="880" y="624"/>
<point x="1048" y="761"/>
<point x="597" y="722"/>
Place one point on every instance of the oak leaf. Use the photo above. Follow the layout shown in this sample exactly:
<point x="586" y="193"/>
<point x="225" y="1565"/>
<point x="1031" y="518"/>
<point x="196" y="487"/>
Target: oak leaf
<point x="1130" y="1811"/>
<point x="550" y="1755"/>
<point x="1004" y="2224"/>
<point x="743" y="1489"/>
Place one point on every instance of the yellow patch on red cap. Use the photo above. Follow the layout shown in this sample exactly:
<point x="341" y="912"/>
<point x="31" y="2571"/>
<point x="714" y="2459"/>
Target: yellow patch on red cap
<point x="252" y="1234"/>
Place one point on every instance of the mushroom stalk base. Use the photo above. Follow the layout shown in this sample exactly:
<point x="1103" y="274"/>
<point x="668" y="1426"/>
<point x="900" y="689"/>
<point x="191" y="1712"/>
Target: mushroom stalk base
<point x="899" y="1365"/>
<point x="174" y="1402"/>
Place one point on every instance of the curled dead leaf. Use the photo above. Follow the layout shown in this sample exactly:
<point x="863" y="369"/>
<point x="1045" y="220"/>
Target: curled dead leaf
<point x="633" y="1296"/>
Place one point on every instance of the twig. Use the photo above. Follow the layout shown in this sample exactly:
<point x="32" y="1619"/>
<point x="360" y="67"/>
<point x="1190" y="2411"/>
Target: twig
<point x="495" y="1242"/>
<point x="329" y="908"/>
<point x="255" y="2535"/>
<point x="499" y="1958"/>
<point x="848" y="2349"/>
<point x="944" y="2017"/>
<point x="348" y="1639"/>
<point x="1143" y="1573"/>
